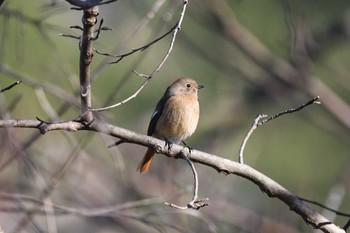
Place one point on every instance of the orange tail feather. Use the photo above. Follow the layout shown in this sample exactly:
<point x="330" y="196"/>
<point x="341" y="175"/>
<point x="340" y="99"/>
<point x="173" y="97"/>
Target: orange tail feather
<point x="146" y="161"/>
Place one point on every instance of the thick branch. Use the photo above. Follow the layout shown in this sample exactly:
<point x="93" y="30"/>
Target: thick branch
<point x="267" y="185"/>
<point x="86" y="53"/>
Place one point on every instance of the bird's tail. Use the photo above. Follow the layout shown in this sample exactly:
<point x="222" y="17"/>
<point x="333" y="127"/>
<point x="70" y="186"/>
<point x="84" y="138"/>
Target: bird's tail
<point x="146" y="161"/>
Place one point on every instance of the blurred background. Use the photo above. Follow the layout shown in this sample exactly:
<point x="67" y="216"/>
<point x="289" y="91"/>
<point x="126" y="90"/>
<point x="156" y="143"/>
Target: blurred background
<point x="252" y="57"/>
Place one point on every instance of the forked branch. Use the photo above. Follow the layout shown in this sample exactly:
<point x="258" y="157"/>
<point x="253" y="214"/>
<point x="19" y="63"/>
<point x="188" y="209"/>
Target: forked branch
<point x="148" y="77"/>
<point x="262" y="119"/>
<point x="195" y="203"/>
<point x="219" y="163"/>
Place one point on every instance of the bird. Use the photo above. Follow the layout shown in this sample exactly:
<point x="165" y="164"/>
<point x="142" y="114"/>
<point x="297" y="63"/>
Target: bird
<point x="175" y="117"/>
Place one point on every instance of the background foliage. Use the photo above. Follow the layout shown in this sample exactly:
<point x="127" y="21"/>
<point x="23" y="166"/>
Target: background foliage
<point x="306" y="152"/>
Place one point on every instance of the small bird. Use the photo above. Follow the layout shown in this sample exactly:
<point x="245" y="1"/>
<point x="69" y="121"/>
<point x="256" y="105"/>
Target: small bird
<point x="175" y="117"/>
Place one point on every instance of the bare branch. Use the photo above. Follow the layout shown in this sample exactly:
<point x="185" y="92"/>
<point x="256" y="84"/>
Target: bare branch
<point x="262" y="119"/>
<point x="148" y="77"/>
<point x="176" y="30"/>
<point x="222" y="165"/>
<point x="11" y="86"/>
<point x="325" y="207"/>
<point x="47" y="190"/>
<point x="291" y="110"/>
<point x="62" y="210"/>
<point x="99" y="29"/>
<point x="45" y="104"/>
<point x="76" y="27"/>
<point x="89" y="20"/>
<point x="48" y="87"/>
<point x="195" y="203"/>
<point x="69" y="36"/>
<point x="245" y="140"/>
<point x="123" y="101"/>
<point x="142" y="23"/>
<point x="142" y="48"/>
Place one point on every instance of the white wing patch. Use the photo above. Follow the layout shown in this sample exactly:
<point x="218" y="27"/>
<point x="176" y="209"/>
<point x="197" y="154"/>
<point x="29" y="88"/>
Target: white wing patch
<point x="154" y="114"/>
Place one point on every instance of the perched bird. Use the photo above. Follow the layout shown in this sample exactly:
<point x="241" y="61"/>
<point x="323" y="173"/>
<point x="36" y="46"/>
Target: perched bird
<point x="175" y="117"/>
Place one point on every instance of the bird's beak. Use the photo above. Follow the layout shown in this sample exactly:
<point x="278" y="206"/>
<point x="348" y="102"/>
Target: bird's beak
<point x="200" y="87"/>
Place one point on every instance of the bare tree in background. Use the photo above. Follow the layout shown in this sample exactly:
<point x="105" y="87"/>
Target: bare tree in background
<point x="54" y="180"/>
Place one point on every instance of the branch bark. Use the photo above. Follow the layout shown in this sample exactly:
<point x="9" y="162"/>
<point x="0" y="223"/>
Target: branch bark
<point x="86" y="53"/>
<point x="222" y="165"/>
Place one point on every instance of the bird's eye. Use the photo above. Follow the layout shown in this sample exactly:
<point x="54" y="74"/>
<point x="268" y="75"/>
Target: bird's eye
<point x="188" y="85"/>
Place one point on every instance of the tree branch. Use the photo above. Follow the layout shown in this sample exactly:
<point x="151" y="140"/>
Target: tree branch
<point x="263" y="118"/>
<point x="61" y="209"/>
<point x="175" y="30"/>
<point x="67" y="97"/>
<point x="134" y="50"/>
<point x="86" y="52"/>
<point x="195" y="203"/>
<point x="222" y="165"/>
<point x="11" y="86"/>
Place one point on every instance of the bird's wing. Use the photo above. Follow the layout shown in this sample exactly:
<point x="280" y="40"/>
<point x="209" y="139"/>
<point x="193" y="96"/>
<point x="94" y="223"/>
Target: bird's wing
<point x="156" y="114"/>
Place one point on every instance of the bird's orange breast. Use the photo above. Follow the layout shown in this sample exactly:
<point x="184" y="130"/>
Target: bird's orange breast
<point x="179" y="118"/>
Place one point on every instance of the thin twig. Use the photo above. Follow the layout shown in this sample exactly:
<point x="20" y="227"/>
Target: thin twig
<point x="117" y="143"/>
<point x="27" y="80"/>
<point x="148" y="77"/>
<point x="50" y="186"/>
<point x="176" y="30"/>
<point x="11" y="86"/>
<point x="142" y="48"/>
<point x="45" y="104"/>
<point x="262" y="119"/>
<point x="252" y="129"/>
<point x="195" y="203"/>
<point x="99" y="29"/>
<point x="325" y="207"/>
<point x="65" y="210"/>
<point x="69" y="36"/>
<point x="291" y="110"/>
<point x="141" y="24"/>
<point x="123" y="101"/>
<point x="76" y="27"/>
